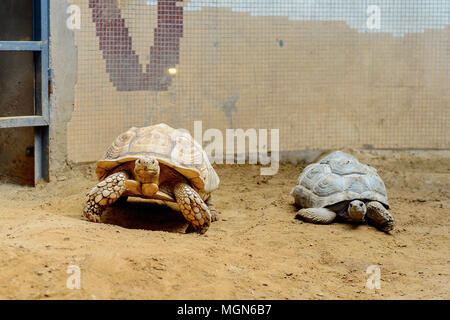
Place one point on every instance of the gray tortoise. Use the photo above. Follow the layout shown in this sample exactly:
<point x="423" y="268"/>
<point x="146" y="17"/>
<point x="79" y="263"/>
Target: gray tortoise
<point x="340" y="187"/>
<point x="156" y="162"/>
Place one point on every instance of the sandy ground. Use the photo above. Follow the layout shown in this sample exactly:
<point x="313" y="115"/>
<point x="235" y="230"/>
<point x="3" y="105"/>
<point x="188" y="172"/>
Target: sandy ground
<point x="257" y="250"/>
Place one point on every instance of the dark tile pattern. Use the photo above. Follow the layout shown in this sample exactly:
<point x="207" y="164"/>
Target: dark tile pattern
<point x="122" y="63"/>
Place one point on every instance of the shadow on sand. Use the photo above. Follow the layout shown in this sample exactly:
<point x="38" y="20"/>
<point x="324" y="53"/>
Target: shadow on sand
<point x="144" y="214"/>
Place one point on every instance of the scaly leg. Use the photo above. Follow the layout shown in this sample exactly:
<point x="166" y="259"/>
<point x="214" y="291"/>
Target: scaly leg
<point x="104" y="194"/>
<point x="193" y="208"/>
<point x="316" y="215"/>
<point x="212" y="209"/>
<point x="379" y="216"/>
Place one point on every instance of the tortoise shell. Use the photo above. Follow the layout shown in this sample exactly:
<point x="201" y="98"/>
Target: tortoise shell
<point x="336" y="178"/>
<point x="175" y="148"/>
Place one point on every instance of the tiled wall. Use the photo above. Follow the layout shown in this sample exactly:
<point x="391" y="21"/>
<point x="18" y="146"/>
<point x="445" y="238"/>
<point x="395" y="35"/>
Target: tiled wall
<point x="309" y="68"/>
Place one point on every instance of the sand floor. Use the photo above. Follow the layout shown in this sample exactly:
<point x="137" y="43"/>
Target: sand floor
<point x="256" y="251"/>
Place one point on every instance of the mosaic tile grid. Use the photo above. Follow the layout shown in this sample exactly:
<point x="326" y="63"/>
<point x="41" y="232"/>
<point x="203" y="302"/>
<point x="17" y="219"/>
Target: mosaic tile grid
<point x="307" y="69"/>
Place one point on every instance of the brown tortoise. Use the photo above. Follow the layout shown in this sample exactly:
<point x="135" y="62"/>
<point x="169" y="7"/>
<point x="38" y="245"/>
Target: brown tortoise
<point x="156" y="162"/>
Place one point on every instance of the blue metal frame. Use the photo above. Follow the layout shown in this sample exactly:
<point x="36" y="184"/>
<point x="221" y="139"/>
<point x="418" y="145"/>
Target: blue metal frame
<point x="41" y="120"/>
<point x="20" y="45"/>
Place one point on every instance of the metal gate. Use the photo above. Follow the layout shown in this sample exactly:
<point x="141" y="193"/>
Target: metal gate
<point x="41" y="118"/>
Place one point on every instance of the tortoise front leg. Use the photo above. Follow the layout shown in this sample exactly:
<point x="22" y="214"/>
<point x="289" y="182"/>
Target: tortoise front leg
<point x="316" y="215"/>
<point x="379" y="216"/>
<point x="192" y="206"/>
<point x="104" y="194"/>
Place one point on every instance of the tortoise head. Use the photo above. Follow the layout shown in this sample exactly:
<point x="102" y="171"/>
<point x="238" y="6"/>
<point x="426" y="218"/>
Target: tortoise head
<point x="357" y="210"/>
<point x="146" y="169"/>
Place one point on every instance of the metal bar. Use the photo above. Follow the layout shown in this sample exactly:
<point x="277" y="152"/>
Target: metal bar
<point x="24" y="121"/>
<point x="41" y="134"/>
<point x="22" y="45"/>
<point x="45" y="59"/>
<point x="37" y="58"/>
<point x="41" y="154"/>
<point x="36" y="20"/>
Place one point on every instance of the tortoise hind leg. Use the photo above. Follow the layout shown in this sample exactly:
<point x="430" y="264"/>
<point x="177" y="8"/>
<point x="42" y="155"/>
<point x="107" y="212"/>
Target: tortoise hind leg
<point x="212" y="209"/>
<point x="104" y="194"/>
<point x="192" y="206"/>
<point x="316" y="215"/>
